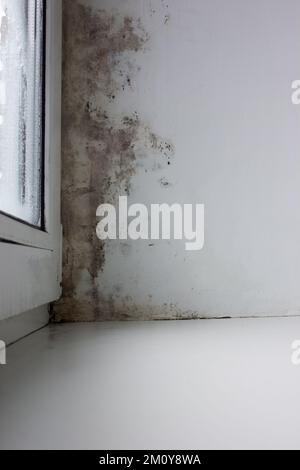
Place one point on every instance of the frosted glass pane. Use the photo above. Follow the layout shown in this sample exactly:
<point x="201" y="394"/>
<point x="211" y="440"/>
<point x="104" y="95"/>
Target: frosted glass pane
<point x="21" y="108"/>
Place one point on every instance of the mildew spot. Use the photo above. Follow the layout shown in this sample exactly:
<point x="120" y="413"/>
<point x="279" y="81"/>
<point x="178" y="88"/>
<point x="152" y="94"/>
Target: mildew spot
<point x="164" y="183"/>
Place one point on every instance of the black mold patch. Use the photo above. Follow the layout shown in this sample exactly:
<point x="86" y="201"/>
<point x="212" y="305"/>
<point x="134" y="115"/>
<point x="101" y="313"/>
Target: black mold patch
<point x="99" y="151"/>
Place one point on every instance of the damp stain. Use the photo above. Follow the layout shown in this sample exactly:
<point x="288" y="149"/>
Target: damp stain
<point x="101" y="149"/>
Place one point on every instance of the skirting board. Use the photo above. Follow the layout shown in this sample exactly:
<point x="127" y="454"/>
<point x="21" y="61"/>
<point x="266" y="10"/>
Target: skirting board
<point x="15" y="328"/>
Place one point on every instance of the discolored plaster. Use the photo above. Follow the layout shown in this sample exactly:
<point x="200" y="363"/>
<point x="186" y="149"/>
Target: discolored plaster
<point x="168" y="67"/>
<point x="101" y="148"/>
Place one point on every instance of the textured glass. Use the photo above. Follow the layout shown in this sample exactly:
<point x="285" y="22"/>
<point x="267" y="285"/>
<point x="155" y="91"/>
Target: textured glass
<point x="21" y="108"/>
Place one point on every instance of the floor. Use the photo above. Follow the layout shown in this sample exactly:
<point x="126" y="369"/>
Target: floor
<point x="169" y="385"/>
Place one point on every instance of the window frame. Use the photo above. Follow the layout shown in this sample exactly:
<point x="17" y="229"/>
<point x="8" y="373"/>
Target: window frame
<point x="30" y="258"/>
<point x="11" y="228"/>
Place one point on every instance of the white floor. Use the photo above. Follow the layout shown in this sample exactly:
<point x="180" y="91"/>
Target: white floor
<point x="168" y="385"/>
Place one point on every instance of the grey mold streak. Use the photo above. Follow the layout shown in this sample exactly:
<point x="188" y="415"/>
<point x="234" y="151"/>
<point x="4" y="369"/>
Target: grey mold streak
<point x="99" y="151"/>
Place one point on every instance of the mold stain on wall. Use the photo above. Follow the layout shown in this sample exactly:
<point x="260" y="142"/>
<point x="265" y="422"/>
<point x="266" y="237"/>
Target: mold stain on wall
<point x="101" y="149"/>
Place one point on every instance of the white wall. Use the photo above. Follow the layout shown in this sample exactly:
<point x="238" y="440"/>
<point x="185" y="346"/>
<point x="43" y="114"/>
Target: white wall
<point x="214" y="79"/>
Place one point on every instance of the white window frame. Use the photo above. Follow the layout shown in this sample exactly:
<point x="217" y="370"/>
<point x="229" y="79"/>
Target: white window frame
<point x="21" y="245"/>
